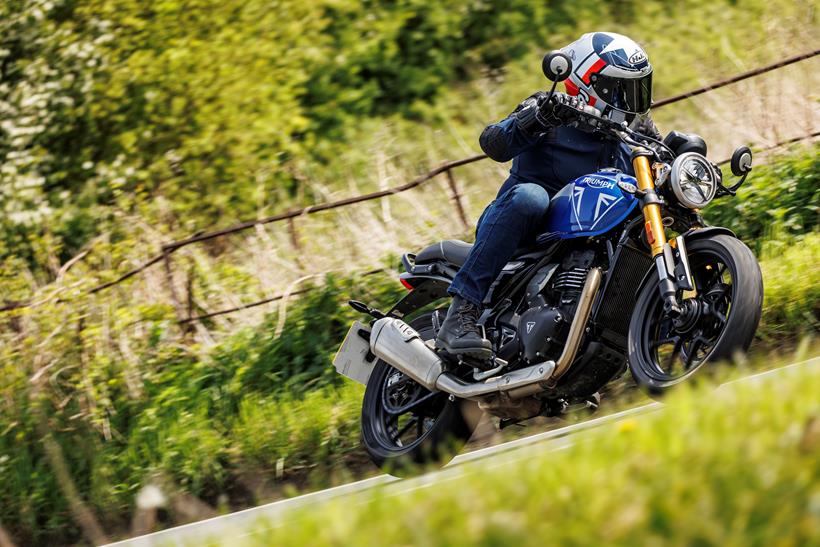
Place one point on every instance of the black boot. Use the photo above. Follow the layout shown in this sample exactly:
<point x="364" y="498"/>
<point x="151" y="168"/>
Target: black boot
<point x="459" y="334"/>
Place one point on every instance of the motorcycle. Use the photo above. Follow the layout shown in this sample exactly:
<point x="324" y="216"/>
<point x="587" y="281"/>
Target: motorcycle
<point x="604" y="289"/>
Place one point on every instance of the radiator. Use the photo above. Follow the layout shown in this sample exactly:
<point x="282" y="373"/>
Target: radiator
<point x="620" y="292"/>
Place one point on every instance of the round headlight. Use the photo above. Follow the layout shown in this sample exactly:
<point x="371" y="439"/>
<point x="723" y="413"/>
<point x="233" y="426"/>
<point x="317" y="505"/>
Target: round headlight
<point x="693" y="179"/>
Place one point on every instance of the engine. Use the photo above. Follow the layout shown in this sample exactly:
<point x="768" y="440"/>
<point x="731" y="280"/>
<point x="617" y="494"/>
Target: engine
<point x="551" y="300"/>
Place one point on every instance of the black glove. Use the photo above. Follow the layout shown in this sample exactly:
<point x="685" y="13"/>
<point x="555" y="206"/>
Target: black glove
<point x="560" y="109"/>
<point x="540" y="112"/>
<point x="645" y="126"/>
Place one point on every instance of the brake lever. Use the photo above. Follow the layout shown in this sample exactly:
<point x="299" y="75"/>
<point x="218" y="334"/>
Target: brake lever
<point x="592" y="118"/>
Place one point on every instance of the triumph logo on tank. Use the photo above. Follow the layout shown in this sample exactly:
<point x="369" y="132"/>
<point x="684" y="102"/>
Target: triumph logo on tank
<point x="595" y="182"/>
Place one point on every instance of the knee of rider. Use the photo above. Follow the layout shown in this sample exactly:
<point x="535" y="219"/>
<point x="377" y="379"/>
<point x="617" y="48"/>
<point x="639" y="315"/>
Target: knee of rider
<point x="530" y="199"/>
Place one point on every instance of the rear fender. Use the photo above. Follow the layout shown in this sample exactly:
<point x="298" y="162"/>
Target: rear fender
<point x="426" y="289"/>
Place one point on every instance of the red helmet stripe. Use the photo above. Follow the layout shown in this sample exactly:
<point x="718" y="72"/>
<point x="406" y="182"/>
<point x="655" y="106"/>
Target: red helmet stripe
<point x="572" y="89"/>
<point x="596" y="67"/>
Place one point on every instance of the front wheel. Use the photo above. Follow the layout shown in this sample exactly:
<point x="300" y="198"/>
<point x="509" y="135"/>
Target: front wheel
<point x="719" y="318"/>
<point x="405" y="427"/>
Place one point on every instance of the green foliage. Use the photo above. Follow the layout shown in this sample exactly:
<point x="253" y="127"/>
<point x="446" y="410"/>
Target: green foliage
<point x="126" y="123"/>
<point x="320" y="430"/>
<point x="738" y="469"/>
<point x="780" y="198"/>
<point x="121" y="105"/>
<point x="189" y="445"/>
<point x="296" y="359"/>
<point x="255" y="403"/>
<point x="195" y="418"/>
<point x="792" y="286"/>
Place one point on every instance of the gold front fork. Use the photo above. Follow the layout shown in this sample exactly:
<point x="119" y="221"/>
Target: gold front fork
<point x="661" y="252"/>
<point x="652" y="213"/>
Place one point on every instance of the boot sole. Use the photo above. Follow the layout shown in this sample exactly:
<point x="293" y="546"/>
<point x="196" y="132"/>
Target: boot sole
<point x="476" y="353"/>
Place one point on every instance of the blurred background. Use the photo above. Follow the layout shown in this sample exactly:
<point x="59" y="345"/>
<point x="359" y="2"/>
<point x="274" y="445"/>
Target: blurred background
<point x="126" y="125"/>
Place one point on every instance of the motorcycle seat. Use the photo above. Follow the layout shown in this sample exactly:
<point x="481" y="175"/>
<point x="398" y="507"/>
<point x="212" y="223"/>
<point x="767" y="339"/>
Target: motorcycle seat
<point x="453" y="251"/>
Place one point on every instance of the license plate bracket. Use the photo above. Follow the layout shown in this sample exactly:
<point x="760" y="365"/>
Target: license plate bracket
<point x="351" y="359"/>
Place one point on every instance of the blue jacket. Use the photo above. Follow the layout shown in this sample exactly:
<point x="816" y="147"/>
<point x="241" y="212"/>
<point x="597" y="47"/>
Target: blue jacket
<point x="555" y="158"/>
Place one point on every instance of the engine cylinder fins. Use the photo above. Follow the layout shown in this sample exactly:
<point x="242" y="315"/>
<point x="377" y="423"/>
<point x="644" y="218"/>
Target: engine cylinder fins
<point x="570" y="280"/>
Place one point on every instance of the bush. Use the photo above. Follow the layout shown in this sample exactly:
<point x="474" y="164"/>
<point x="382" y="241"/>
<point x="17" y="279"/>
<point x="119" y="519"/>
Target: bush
<point x="285" y="435"/>
<point x="791" y="285"/>
<point x="778" y="200"/>
<point x="735" y="468"/>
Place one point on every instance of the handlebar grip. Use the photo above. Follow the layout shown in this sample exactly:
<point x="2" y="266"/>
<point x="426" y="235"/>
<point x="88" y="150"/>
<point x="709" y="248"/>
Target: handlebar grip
<point x="583" y="114"/>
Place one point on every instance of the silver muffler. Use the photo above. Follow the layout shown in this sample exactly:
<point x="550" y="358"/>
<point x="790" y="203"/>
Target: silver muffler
<point x="397" y="343"/>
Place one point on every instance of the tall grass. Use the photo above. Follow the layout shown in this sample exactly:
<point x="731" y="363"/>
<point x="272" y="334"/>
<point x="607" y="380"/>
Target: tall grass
<point x="792" y="286"/>
<point x="737" y="467"/>
<point x="129" y="395"/>
<point x="131" y="398"/>
<point x="260" y="416"/>
<point x="314" y="439"/>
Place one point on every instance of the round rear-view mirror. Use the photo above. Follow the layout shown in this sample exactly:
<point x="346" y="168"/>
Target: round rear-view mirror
<point x="556" y="66"/>
<point x="741" y="161"/>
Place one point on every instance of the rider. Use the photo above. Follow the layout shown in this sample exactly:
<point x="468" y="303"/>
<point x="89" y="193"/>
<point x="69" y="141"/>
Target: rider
<point x="611" y="73"/>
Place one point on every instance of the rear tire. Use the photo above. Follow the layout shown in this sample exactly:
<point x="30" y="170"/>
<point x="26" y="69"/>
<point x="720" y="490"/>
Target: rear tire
<point x="730" y="301"/>
<point x="397" y="444"/>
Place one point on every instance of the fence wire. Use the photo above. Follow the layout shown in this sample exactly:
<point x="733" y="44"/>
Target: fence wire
<point x="168" y="248"/>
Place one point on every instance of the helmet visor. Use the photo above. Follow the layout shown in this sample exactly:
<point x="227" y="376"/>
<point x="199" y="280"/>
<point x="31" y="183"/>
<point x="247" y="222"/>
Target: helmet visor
<point x="629" y="95"/>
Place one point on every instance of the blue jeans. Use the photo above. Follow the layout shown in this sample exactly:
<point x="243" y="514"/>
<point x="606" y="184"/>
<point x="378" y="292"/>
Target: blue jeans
<point x="512" y="219"/>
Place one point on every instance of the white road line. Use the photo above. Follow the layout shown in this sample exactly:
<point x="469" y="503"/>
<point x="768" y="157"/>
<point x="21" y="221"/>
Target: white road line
<point x="239" y="522"/>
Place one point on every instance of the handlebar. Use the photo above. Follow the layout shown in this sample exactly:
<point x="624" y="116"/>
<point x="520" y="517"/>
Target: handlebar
<point x="591" y="118"/>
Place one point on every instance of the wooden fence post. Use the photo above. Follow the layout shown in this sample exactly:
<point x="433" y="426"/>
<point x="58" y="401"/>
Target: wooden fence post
<point x="169" y="282"/>
<point x="294" y="235"/>
<point x="294" y="241"/>
<point x="451" y="181"/>
<point x="189" y="291"/>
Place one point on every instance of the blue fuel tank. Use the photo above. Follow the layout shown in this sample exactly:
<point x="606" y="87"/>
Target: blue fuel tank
<point x="588" y="206"/>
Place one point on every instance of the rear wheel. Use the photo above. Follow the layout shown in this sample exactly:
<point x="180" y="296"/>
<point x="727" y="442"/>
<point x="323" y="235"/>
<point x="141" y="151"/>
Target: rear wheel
<point x="719" y="318"/>
<point x="406" y="427"/>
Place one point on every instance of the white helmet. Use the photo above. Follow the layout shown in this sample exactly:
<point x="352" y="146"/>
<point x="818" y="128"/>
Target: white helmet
<point x="612" y="73"/>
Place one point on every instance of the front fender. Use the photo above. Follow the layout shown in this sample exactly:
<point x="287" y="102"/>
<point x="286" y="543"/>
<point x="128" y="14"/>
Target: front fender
<point x="709" y="231"/>
<point x="690" y="235"/>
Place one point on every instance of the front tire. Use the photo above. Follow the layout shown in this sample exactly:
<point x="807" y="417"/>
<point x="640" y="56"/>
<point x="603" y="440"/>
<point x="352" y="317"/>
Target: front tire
<point x="404" y="443"/>
<point x="720" y="319"/>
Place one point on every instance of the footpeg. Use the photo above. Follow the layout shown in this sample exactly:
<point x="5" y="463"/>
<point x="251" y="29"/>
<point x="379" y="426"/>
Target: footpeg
<point x="480" y="365"/>
<point x="479" y="375"/>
